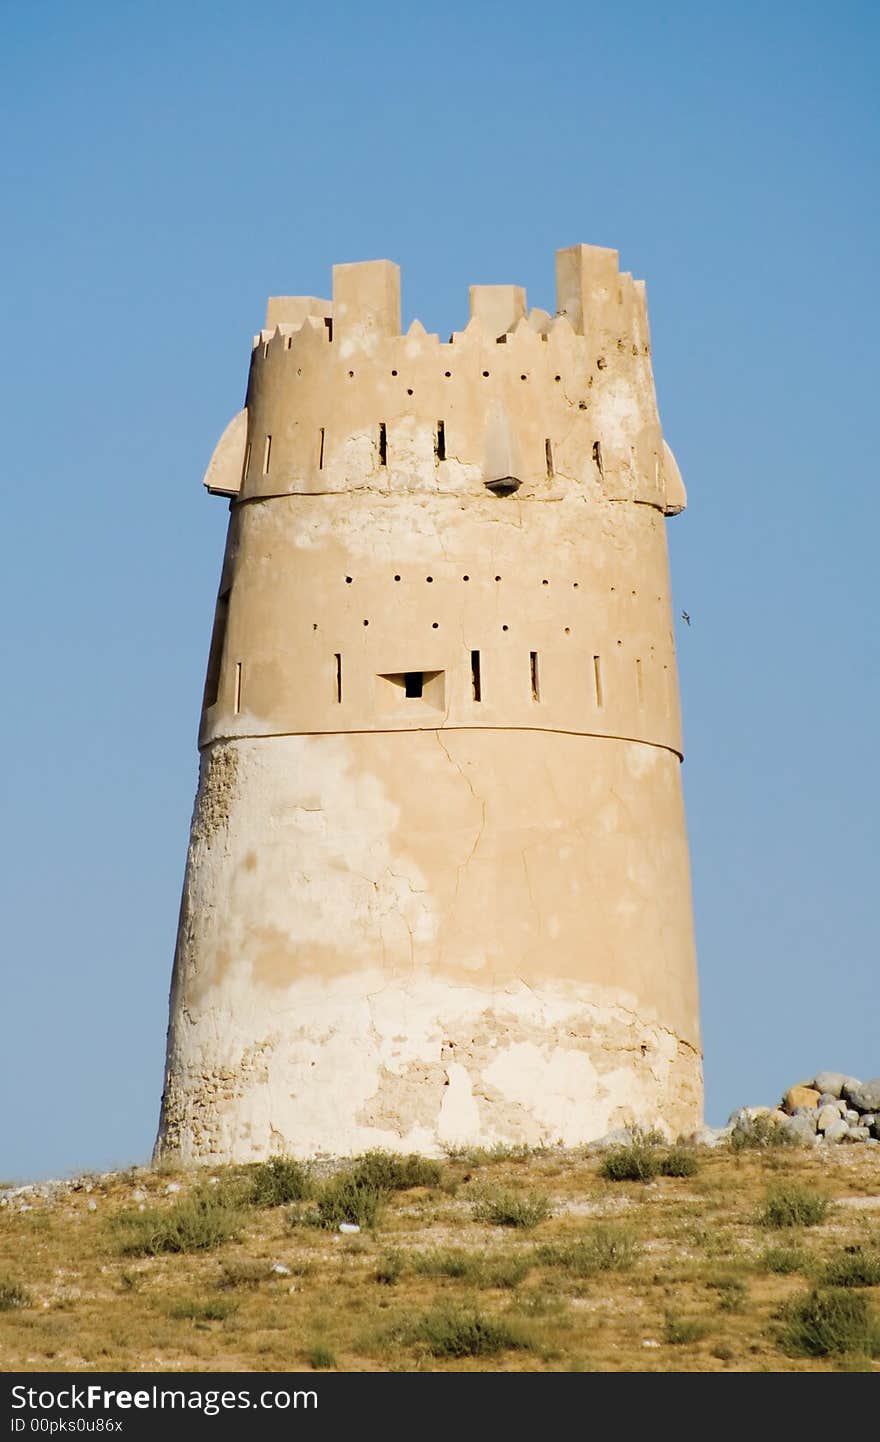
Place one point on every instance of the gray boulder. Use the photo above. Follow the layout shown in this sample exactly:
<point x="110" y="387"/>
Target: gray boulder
<point x="831" y="1082"/>
<point x="619" y="1137"/>
<point x="851" y="1116"/>
<point x="836" y="1130"/>
<point x="711" y="1136"/>
<point x="859" y="1134"/>
<point x="801" y="1127"/>
<point x="864" y="1096"/>
<point x="826" y="1115"/>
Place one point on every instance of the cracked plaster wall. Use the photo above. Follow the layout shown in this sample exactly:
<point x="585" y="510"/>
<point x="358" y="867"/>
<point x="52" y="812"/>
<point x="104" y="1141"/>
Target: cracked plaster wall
<point x="422" y="938"/>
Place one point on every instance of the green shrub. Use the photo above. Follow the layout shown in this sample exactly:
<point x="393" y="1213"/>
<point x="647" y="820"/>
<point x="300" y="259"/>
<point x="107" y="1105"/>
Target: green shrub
<point x="464" y="1332"/>
<point x="321" y="1357"/>
<point x="448" y="1262"/>
<point x="197" y="1223"/>
<point x="505" y="1272"/>
<point x="392" y="1173"/>
<point x="349" y="1198"/>
<point x="679" y="1162"/>
<point x="477" y="1268"/>
<point x="760" y="1133"/>
<point x="277" y="1182"/>
<point x="731" y="1292"/>
<point x="510" y="1209"/>
<point x="606" y="1249"/>
<point x="853" y="1268"/>
<point x="783" y="1260"/>
<point x="499" y="1152"/>
<point x="637" y="1162"/>
<point x="12" y="1295"/>
<point x="794" y="1205"/>
<point x="679" y="1331"/>
<point x="194" y="1311"/>
<point x="243" y="1272"/>
<point x="389" y="1269"/>
<point x="831" y="1323"/>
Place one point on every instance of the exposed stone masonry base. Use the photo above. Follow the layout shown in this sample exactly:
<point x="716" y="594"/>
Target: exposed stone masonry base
<point x="422" y="1068"/>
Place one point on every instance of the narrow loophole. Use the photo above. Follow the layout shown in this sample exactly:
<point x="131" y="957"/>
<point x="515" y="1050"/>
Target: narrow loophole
<point x="328" y="321"/>
<point x="476" y="687"/>
<point x="440" y="442"/>
<point x="247" y="461"/>
<point x="267" y="452"/>
<point x="236" y="705"/>
<point x="321" y="450"/>
<point x="383" y="444"/>
<point x="639" y="682"/>
<point x="548" y="455"/>
<point x="597" y="456"/>
<point x="414" y="684"/>
<point x="533" y="671"/>
<point x="338" y="659"/>
<point x="597" y="679"/>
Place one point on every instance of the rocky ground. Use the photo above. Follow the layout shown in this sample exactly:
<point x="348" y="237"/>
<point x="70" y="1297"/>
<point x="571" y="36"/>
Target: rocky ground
<point x="753" y="1247"/>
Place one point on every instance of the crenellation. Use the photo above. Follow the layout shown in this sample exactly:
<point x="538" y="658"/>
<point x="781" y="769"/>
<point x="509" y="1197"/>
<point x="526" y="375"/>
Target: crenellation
<point x="366" y="303"/>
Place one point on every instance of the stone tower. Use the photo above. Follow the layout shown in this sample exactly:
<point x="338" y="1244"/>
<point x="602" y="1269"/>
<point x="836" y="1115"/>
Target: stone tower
<point x="437" y="889"/>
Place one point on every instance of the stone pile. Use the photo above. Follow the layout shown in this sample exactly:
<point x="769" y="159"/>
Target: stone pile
<point x="835" y="1108"/>
<point x="832" y="1107"/>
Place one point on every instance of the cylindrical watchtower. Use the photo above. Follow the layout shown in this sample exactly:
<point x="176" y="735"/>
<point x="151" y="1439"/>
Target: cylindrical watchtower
<point x="437" y="888"/>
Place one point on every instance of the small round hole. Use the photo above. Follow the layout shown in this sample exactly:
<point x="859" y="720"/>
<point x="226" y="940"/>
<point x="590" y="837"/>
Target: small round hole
<point x="397" y="578"/>
<point x="505" y="628"/>
<point x="434" y="625"/>
<point x="632" y="593"/>
<point x="314" y="625"/>
<point x="351" y="375"/>
<point x="557" y="378"/>
<point x="429" y="578"/>
<point x="409" y="392"/>
<point x="465" y="578"/>
<point x="485" y="373"/>
<point x="394" y="373"/>
<point x="523" y="378"/>
<point x="366" y="623"/>
<point x="497" y="578"/>
<point x="575" y="584"/>
<point x="620" y="643"/>
<point x="348" y="580"/>
<point x="545" y="583"/>
<point x="447" y="374"/>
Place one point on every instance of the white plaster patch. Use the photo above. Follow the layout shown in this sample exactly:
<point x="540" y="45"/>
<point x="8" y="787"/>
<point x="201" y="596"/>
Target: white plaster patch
<point x="459" y="1120"/>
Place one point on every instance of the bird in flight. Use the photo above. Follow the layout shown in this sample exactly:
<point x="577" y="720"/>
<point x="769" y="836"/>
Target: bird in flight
<point x="685" y="616"/>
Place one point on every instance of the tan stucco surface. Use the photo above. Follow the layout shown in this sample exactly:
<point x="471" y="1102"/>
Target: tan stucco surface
<point x="461" y="913"/>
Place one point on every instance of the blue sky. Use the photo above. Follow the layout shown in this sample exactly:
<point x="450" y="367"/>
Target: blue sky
<point x="165" y="167"/>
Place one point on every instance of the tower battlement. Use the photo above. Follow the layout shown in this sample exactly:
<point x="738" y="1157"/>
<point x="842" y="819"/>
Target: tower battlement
<point x="437" y="888"/>
<point x="339" y="398"/>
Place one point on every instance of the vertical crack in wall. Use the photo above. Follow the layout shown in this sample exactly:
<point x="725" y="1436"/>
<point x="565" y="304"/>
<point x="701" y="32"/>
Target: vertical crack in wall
<point x="462" y="866"/>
